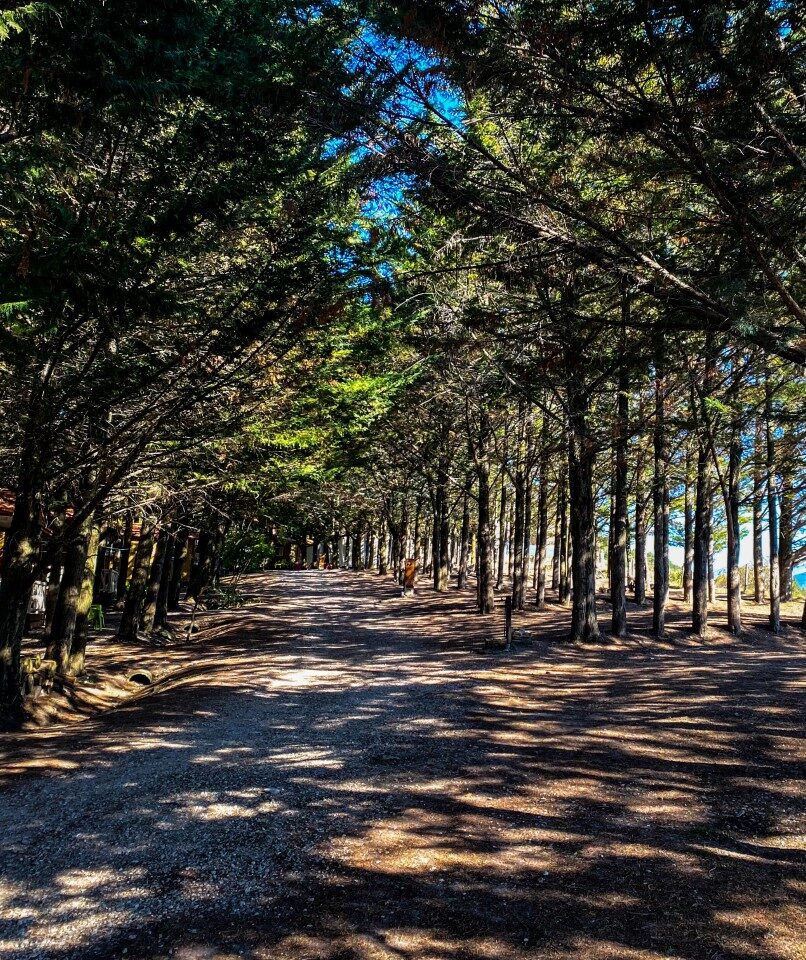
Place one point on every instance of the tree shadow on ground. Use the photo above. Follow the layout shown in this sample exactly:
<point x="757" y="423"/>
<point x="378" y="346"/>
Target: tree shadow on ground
<point x="343" y="774"/>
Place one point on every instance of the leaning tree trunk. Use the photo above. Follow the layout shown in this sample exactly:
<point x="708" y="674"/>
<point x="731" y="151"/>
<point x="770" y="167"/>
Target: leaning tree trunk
<point x="136" y="594"/>
<point x="660" y="593"/>
<point x="486" y="595"/>
<point x="618" y="558"/>
<point x="16" y="582"/>
<point x="78" y="650"/>
<point x="581" y="457"/>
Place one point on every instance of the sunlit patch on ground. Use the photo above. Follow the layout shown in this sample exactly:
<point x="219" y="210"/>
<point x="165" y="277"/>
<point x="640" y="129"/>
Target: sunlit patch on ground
<point x="338" y="774"/>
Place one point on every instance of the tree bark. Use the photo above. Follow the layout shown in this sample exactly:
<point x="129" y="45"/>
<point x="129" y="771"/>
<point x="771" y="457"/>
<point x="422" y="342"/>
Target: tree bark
<point x="136" y="594"/>
<point x="518" y="531"/>
<point x="180" y="556"/>
<point x="464" y="542"/>
<point x="660" y="593"/>
<point x="734" y="533"/>
<point x="383" y="561"/>
<point x="688" y="529"/>
<point x="62" y="629"/>
<point x="123" y="562"/>
<point x="486" y="595"/>
<point x="149" y="611"/>
<point x="78" y="650"/>
<point x="772" y="514"/>
<point x="786" y="529"/>
<point x="161" y="613"/>
<point x="758" y="494"/>
<point x="542" y="526"/>
<point x="581" y="458"/>
<point x="564" y="587"/>
<point x="618" y="559"/>
<point x="502" y="532"/>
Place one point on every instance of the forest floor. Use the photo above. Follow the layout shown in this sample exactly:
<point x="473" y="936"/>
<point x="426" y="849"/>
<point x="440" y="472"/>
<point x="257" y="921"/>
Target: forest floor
<point x="335" y="772"/>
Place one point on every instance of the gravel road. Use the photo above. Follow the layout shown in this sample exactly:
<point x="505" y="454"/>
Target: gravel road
<point x="342" y="773"/>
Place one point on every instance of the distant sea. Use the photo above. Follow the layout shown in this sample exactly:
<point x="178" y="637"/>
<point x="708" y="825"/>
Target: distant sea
<point x="800" y="579"/>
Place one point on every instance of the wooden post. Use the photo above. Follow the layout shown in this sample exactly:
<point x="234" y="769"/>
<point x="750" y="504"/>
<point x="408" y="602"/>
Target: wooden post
<point x="508" y="620"/>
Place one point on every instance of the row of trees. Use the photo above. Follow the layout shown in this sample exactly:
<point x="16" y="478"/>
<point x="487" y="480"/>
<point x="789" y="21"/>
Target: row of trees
<point x="423" y="268"/>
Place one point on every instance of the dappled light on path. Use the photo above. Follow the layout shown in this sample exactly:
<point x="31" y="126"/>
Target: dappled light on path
<point x="340" y="773"/>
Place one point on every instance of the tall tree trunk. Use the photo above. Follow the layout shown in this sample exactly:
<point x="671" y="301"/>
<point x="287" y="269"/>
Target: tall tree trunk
<point x="136" y="594"/>
<point x="710" y="542"/>
<point x="555" y="557"/>
<point x="734" y="533"/>
<point x="581" y="458"/>
<point x="786" y="528"/>
<point x="564" y="588"/>
<point x="486" y="596"/>
<point x="161" y="612"/>
<point x="527" y="528"/>
<point x="618" y="560"/>
<point x="688" y="528"/>
<point x="78" y="650"/>
<point x="180" y="556"/>
<point x="123" y="562"/>
<point x="444" y="543"/>
<point x="402" y="543"/>
<point x="464" y="541"/>
<point x="758" y="508"/>
<point x="383" y="560"/>
<point x="200" y="571"/>
<point x="62" y="629"/>
<point x="772" y="514"/>
<point x="701" y="524"/>
<point x="660" y="594"/>
<point x="502" y="532"/>
<point x="518" y="525"/>
<point x="149" y="611"/>
<point x="542" y="523"/>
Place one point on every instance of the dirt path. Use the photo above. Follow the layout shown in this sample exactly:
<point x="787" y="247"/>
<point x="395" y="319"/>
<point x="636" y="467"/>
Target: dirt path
<point x="344" y="774"/>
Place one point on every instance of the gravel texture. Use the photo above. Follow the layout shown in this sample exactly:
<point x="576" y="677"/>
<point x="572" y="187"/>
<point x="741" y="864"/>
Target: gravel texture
<point x="340" y="773"/>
